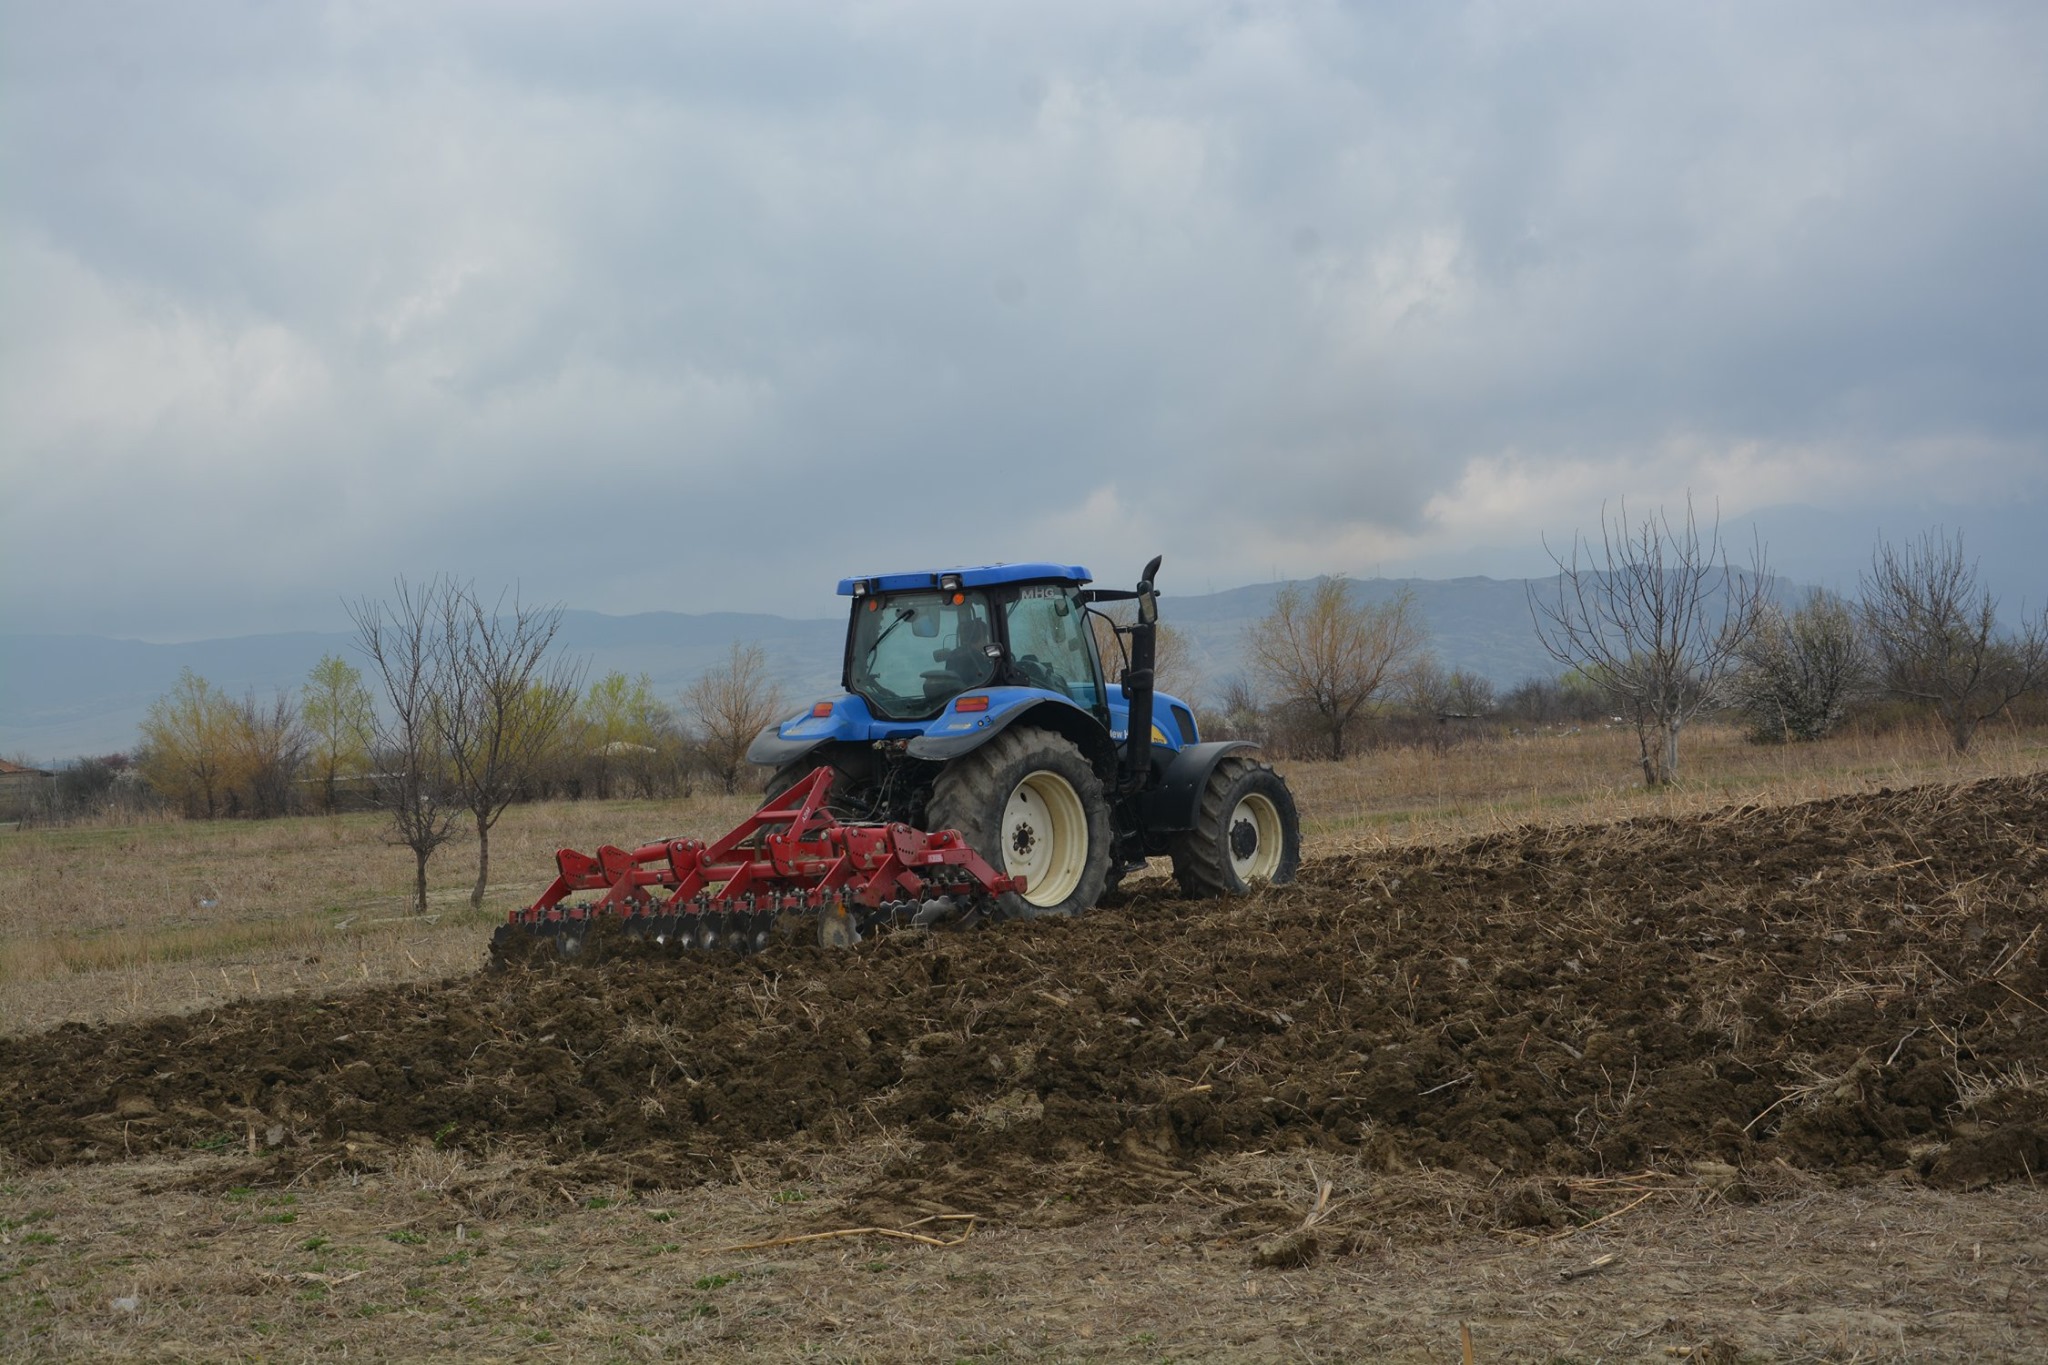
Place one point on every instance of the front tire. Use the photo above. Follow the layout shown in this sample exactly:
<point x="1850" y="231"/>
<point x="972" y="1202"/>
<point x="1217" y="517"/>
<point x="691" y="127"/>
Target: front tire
<point x="1246" y="833"/>
<point x="1029" y="803"/>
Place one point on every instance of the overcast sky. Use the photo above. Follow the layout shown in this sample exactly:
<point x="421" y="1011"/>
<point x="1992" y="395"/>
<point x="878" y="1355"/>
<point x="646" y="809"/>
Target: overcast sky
<point x="656" y="306"/>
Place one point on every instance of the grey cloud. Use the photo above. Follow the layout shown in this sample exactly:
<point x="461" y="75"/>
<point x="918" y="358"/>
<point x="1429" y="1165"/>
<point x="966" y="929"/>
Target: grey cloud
<point x="646" y="307"/>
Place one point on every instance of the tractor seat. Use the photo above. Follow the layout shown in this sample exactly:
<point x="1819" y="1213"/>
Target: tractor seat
<point x="967" y="661"/>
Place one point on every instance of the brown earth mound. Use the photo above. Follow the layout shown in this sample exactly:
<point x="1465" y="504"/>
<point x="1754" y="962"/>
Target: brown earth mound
<point x="1850" y="986"/>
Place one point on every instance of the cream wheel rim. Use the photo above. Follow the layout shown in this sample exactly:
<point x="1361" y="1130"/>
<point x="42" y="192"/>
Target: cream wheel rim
<point x="1045" y="838"/>
<point x="1252" y="835"/>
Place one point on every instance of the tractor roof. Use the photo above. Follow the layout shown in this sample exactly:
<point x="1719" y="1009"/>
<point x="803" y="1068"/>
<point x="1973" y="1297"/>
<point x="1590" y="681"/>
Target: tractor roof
<point x="978" y="576"/>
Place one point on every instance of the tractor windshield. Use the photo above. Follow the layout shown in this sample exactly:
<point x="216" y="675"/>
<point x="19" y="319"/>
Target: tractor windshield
<point x="913" y="652"/>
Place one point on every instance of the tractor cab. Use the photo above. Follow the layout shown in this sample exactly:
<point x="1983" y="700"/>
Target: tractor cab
<point x="939" y="663"/>
<point x="918" y="641"/>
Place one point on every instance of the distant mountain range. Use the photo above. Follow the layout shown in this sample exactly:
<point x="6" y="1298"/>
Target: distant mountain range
<point x="62" y="696"/>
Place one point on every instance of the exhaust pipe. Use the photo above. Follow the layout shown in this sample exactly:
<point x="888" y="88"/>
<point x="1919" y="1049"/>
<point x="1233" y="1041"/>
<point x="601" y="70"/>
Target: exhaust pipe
<point x="1137" y="770"/>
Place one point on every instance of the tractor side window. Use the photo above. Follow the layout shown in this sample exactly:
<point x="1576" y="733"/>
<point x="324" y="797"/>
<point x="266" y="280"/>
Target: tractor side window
<point x="1049" y="642"/>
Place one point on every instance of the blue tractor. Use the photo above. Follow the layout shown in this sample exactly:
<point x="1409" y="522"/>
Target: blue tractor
<point x="977" y="700"/>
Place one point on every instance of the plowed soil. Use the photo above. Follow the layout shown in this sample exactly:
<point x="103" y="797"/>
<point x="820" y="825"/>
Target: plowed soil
<point x="1849" y="987"/>
<point x="1777" y="1079"/>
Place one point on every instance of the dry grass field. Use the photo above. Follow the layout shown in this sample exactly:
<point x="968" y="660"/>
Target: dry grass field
<point x="1755" y="1069"/>
<point x="133" y="921"/>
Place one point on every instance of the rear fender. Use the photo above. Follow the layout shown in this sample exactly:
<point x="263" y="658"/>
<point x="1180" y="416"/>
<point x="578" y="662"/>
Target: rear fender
<point x="848" y="721"/>
<point x="955" y="732"/>
<point x="1171" y="805"/>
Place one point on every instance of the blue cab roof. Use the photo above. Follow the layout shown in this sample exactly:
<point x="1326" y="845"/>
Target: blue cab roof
<point x="979" y="576"/>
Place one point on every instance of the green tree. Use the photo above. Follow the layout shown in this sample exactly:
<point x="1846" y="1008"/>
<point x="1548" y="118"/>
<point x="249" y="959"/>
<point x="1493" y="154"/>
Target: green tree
<point x="189" y="746"/>
<point x="559" y="758"/>
<point x="269" y="753"/>
<point x="339" y="718"/>
<point x="624" y="728"/>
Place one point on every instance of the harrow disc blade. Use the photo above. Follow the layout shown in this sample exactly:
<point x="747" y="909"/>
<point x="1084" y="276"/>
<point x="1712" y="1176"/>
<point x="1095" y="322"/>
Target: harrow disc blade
<point x="711" y="930"/>
<point x="738" y="932"/>
<point x="756" y="930"/>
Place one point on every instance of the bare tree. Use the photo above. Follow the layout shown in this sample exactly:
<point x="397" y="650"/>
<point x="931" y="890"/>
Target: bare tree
<point x="1562" y="700"/>
<point x="421" y="686"/>
<point x="507" y="702"/>
<point x="269" y="747"/>
<point x="1934" y="631"/>
<point x="1235" y="711"/>
<point x="1425" y="688"/>
<point x="1429" y="691"/>
<point x="1174" y="669"/>
<point x="731" y="705"/>
<point x="1329" y="656"/>
<point x="1655" y="617"/>
<point x="1469" y="696"/>
<point x="1800" y="669"/>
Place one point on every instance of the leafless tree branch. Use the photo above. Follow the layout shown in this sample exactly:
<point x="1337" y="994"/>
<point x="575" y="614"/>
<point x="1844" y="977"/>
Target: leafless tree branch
<point x="1322" y="652"/>
<point x="416" y="783"/>
<point x="1934" y="630"/>
<point x="1655" y="618"/>
<point x="512" y="699"/>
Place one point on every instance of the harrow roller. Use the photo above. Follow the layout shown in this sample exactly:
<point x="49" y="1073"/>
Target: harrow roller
<point x="791" y="864"/>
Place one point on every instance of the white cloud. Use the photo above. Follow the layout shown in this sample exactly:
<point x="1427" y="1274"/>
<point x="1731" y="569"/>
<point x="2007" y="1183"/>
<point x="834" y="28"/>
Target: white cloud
<point x="115" y="368"/>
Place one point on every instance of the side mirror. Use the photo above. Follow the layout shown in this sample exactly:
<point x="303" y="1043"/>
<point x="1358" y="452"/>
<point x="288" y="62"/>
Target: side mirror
<point x="1148" y="600"/>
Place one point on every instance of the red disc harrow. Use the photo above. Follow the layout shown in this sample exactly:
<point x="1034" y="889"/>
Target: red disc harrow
<point x="790" y="858"/>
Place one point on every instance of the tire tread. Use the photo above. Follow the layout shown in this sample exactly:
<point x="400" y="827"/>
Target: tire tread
<point x="972" y="789"/>
<point x="1200" y="864"/>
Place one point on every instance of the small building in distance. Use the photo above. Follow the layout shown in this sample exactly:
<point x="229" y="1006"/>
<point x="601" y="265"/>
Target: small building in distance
<point x="20" y="787"/>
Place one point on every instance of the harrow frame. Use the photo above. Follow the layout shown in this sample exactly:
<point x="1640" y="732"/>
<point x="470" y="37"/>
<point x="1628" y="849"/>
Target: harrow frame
<point x="790" y="857"/>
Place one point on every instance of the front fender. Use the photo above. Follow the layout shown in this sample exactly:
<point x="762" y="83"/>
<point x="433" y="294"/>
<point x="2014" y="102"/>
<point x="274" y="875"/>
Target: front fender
<point x="1173" y="804"/>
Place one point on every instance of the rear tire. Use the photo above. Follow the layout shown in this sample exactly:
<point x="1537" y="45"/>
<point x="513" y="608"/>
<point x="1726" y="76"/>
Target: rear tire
<point x="1246" y="833"/>
<point x="1029" y="803"/>
<point x="848" y="799"/>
